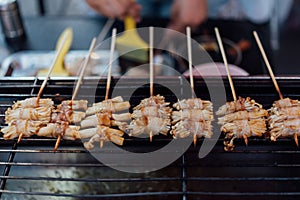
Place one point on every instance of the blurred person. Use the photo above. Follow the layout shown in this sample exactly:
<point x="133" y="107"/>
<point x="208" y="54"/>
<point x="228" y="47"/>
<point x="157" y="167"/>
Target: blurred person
<point x="181" y="13"/>
<point x="236" y="20"/>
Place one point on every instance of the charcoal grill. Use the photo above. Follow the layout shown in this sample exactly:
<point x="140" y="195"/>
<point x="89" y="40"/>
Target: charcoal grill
<point x="262" y="170"/>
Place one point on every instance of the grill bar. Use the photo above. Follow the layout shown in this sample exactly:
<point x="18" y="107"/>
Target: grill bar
<point x="146" y="194"/>
<point x="219" y="175"/>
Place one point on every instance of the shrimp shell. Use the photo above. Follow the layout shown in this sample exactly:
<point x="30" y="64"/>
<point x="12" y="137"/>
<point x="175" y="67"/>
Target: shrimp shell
<point x="242" y="115"/>
<point x="33" y="102"/>
<point x="195" y="103"/>
<point x="101" y="133"/>
<point x="53" y="130"/>
<point x="286" y="102"/>
<point x="239" y="105"/>
<point x="73" y="105"/>
<point x="151" y="116"/>
<point x="37" y="114"/>
<point x="15" y="128"/>
<point x="195" y="115"/>
<point x="240" y="128"/>
<point x="186" y="128"/>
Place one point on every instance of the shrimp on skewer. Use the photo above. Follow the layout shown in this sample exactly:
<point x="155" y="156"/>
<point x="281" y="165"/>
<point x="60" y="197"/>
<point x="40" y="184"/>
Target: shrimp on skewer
<point x="103" y="117"/>
<point x="151" y="116"/>
<point x="242" y="118"/>
<point x="284" y="119"/>
<point x="193" y="118"/>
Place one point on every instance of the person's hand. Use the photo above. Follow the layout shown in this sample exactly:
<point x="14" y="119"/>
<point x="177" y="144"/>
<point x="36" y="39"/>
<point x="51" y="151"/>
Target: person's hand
<point x="116" y="8"/>
<point x="187" y="13"/>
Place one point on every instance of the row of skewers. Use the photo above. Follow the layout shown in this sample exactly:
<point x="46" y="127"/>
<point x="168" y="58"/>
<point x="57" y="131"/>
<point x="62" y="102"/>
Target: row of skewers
<point x="108" y="120"/>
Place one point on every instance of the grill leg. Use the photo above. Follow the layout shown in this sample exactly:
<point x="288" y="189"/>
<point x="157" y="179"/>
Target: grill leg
<point x="183" y="178"/>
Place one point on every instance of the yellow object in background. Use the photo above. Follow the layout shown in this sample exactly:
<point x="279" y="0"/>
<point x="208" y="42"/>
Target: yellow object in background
<point x="59" y="69"/>
<point x="131" y="42"/>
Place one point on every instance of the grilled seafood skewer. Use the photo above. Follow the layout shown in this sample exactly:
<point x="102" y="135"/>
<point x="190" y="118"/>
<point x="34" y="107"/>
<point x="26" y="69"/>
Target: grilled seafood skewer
<point x="242" y="122"/>
<point x="284" y="119"/>
<point x="284" y="114"/>
<point x="193" y="118"/>
<point x="154" y="122"/>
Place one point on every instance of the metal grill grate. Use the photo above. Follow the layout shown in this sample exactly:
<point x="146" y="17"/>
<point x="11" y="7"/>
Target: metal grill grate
<point x="262" y="170"/>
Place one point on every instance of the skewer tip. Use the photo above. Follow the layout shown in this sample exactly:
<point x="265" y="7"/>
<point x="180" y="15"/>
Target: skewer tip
<point x="150" y="136"/>
<point x="57" y="143"/>
<point x="296" y="139"/>
<point x="195" y="140"/>
<point x="101" y="144"/>
<point x="245" y="139"/>
<point x="20" y="138"/>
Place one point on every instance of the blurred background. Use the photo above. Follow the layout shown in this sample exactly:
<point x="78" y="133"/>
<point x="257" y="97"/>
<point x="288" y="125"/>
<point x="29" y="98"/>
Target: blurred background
<point x="285" y="35"/>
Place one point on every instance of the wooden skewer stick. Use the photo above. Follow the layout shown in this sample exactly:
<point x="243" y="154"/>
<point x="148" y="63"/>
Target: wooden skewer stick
<point x="225" y="62"/>
<point x="151" y="41"/>
<point x="83" y="68"/>
<point x="52" y="66"/>
<point x="263" y="53"/>
<point x="48" y="75"/>
<point x="78" y="83"/>
<point x="111" y="59"/>
<point x="189" y="49"/>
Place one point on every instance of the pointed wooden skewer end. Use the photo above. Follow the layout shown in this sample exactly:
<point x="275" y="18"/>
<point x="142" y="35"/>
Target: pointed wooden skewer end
<point x="57" y="143"/>
<point x="20" y="138"/>
<point x="195" y="140"/>
<point x="245" y="139"/>
<point x="150" y="136"/>
<point x="296" y="139"/>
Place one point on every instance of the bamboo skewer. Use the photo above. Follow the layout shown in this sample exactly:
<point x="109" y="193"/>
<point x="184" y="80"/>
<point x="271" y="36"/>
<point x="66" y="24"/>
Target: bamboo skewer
<point x="111" y="59"/>
<point x="83" y="68"/>
<point x="190" y="60"/>
<point x="58" y="52"/>
<point x="225" y="63"/>
<point x="78" y="83"/>
<point x="263" y="53"/>
<point x="227" y="69"/>
<point x="151" y="41"/>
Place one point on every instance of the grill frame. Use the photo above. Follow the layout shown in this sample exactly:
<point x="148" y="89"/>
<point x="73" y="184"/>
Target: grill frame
<point x="191" y="178"/>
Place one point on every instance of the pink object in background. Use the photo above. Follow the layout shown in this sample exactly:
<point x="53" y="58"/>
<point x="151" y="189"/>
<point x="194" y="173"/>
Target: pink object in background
<point x="216" y="69"/>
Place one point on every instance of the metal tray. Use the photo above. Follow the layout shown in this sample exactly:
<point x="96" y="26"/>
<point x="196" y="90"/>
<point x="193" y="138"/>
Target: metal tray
<point x="28" y="63"/>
